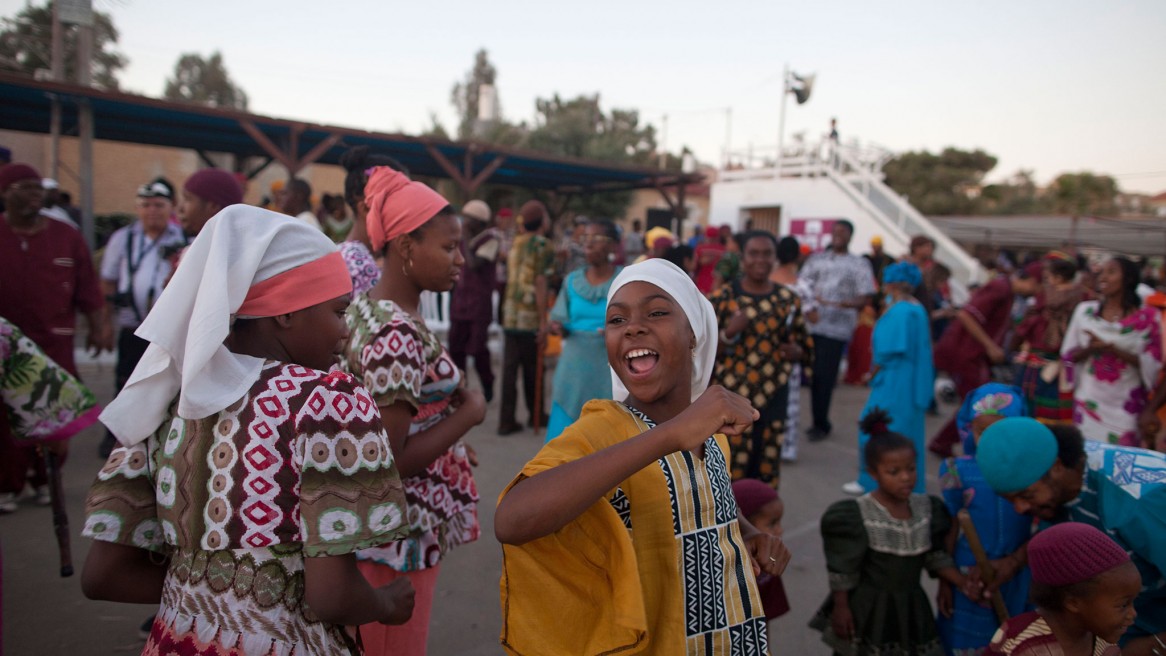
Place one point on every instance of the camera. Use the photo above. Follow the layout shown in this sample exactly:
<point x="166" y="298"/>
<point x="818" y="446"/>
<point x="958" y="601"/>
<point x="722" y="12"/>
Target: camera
<point x="121" y="299"/>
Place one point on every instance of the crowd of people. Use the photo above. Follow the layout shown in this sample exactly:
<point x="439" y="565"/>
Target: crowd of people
<point x="285" y="467"/>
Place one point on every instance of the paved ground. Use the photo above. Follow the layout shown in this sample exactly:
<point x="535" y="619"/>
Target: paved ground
<point x="45" y="614"/>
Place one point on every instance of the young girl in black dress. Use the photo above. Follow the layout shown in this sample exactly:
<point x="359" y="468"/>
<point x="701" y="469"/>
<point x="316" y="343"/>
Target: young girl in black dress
<point x="876" y="546"/>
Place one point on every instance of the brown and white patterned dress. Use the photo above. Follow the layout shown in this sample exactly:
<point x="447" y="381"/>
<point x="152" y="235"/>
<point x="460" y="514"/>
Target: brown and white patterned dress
<point x="300" y="467"/>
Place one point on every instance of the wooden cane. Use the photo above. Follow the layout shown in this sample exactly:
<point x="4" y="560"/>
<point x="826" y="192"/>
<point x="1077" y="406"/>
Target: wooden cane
<point x="60" y="516"/>
<point x="987" y="573"/>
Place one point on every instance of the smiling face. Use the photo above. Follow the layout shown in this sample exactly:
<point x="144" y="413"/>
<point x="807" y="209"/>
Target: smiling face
<point x="895" y="473"/>
<point x="760" y="257"/>
<point x="1044" y="498"/>
<point x="1108" y="611"/>
<point x="1109" y="279"/>
<point x="649" y="345"/>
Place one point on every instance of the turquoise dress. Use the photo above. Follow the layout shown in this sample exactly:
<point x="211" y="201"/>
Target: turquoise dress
<point x="582" y="373"/>
<point x="903" y="385"/>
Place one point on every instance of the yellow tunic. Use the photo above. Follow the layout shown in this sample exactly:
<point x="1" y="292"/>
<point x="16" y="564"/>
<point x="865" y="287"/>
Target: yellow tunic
<point x="657" y="566"/>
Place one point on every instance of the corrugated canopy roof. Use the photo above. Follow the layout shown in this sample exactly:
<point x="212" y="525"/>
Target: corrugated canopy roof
<point x="123" y="117"/>
<point x="1132" y="236"/>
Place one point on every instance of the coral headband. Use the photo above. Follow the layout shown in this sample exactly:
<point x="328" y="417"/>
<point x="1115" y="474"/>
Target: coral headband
<point x="295" y="289"/>
<point x="397" y="205"/>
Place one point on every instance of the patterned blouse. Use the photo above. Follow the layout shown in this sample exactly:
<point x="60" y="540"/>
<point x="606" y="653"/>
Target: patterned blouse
<point x="362" y="266"/>
<point x="300" y="467"/>
<point x="399" y="359"/>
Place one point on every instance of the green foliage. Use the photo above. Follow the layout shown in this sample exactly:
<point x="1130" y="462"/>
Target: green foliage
<point x="26" y="46"/>
<point x="466" y="95"/>
<point x="575" y="128"/>
<point x="1017" y="195"/>
<point x="940" y="184"/>
<point x="1083" y="193"/>
<point x="204" y="82"/>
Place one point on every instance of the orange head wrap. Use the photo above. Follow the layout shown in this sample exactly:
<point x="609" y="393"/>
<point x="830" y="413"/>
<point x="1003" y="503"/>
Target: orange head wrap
<point x="397" y="205"/>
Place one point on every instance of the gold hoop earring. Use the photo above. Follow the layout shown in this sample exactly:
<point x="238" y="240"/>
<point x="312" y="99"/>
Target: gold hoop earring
<point x="404" y="268"/>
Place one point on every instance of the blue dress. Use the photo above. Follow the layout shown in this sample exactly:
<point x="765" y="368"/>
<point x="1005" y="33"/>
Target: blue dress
<point x="1002" y="530"/>
<point x="582" y="373"/>
<point x="901" y="347"/>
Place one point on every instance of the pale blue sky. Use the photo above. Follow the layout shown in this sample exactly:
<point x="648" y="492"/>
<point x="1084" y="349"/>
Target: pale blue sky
<point x="1052" y="85"/>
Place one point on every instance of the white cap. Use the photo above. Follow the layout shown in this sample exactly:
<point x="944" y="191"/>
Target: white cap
<point x="49" y="183"/>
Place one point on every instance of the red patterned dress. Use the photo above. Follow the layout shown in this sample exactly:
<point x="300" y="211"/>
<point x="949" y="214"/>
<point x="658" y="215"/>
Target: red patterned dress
<point x="300" y="467"/>
<point x="399" y="359"/>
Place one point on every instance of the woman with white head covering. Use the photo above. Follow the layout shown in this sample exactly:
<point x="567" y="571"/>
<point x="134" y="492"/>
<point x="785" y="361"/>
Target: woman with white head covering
<point x="624" y="522"/>
<point x="247" y="476"/>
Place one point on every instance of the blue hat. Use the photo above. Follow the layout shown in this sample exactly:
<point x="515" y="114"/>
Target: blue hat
<point x="988" y="399"/>
<point x="1015" y="452"/>
<point x="902" y="272"/>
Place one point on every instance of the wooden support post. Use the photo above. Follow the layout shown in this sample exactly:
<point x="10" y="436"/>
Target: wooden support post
<point x="259" y="169"/>
<point x="267" y="145"/>
<point x="318" y="151"/>
<point x="206" y="159"/>
<point x="484" y="175"/>
<point x="446" y="165"/>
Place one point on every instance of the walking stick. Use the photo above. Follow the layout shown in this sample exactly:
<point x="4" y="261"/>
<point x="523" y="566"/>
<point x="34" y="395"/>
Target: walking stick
<point x="60" y="517"/>
<point x="987" y="574"/>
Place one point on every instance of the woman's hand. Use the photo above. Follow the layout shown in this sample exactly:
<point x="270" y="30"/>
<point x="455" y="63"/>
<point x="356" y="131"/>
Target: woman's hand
<point x="397" y="601"/>
<point x="471" y="403"/>
<point x="738" y="322"/>
<point x="717" y="410"/>
<point x="555" y="328"/>
<point x="1149" y="425"/>
<point x="471" y="454"/>
<point x="945" y="599"/>
<point x="768" y="553"/>
<point x="790" y="351"/>
<point x="842" y="621"/>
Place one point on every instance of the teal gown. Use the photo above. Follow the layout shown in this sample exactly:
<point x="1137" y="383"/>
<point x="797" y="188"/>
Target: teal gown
<point x="903" y="386"/>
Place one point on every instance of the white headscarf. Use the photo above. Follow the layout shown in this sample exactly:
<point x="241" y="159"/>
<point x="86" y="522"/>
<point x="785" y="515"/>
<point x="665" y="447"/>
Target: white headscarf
<point x="240" y="246"/>
<point x="701" y="317"/>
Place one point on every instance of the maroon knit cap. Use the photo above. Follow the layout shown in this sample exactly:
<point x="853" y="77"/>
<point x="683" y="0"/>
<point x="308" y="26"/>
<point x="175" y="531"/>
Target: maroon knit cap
<point x="15" y="172"/>
<point x="1072" y="552"/>
<point x="216" y="186"/>
<point x="752" y="495"/>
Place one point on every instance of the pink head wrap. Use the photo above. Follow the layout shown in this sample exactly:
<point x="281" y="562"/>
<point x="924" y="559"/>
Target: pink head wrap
<point x="397" y="205"/>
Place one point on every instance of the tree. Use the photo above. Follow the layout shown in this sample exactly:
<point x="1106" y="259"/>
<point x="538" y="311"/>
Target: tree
<point x="1016" y="195"/>
<point x="205" y="82"/>
<point x="1083" y="193"/>
<point x="580" y="128"/>
<point x="466" y="96"/>
<point x="941" y="184"/>
<point x="26" y="46"/>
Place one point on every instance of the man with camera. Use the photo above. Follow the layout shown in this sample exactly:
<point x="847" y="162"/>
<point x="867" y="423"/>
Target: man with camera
<point x="137" y="263"/>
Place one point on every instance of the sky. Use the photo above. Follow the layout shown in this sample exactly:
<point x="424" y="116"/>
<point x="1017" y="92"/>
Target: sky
<point x="1046" y="85"/>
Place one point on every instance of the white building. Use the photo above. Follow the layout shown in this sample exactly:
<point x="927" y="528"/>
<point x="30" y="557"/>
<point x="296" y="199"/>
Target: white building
<point x="810" y="188"/>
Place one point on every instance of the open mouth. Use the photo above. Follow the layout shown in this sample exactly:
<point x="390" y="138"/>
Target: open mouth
<point x="641" y="361"/>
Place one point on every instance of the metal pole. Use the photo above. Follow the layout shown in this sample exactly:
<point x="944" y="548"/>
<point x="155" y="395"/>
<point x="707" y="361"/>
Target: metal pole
<point x="781" y="120"/>
<point x="728" y="135"/>
<point x="85" y="132"/>
<point x="58" y="69"/>
<point x="663" y="141"/>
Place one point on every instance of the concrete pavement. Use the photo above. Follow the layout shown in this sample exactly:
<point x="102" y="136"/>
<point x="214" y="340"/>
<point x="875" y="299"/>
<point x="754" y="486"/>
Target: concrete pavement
<point x="45" y="614"/>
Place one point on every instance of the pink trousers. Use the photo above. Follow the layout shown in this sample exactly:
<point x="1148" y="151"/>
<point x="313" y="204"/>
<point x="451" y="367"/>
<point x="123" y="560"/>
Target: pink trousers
<point x="408" y="639"/>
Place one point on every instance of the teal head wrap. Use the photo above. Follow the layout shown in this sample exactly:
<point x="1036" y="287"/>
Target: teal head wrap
<point x="1015" y="452"/>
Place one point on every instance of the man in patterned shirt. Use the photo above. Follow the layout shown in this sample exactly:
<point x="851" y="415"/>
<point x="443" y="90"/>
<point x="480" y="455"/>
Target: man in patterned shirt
<point x="842" y="284"/>
<point x="524" y="314"/>
<point x="1054" y="474"/>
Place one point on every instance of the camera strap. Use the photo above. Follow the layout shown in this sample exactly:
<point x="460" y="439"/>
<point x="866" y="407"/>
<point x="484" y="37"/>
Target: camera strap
<point x="132" y="267"/>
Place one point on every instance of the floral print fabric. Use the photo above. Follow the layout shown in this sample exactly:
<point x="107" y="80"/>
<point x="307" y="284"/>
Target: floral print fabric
<point x="43" y="400"/>
<point x="1108" y="392"/>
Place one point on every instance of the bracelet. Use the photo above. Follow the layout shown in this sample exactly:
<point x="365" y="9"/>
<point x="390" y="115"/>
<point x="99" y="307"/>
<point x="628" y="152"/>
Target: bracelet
<point x="725" y="338"/>
<point x="1159" y="641"/>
